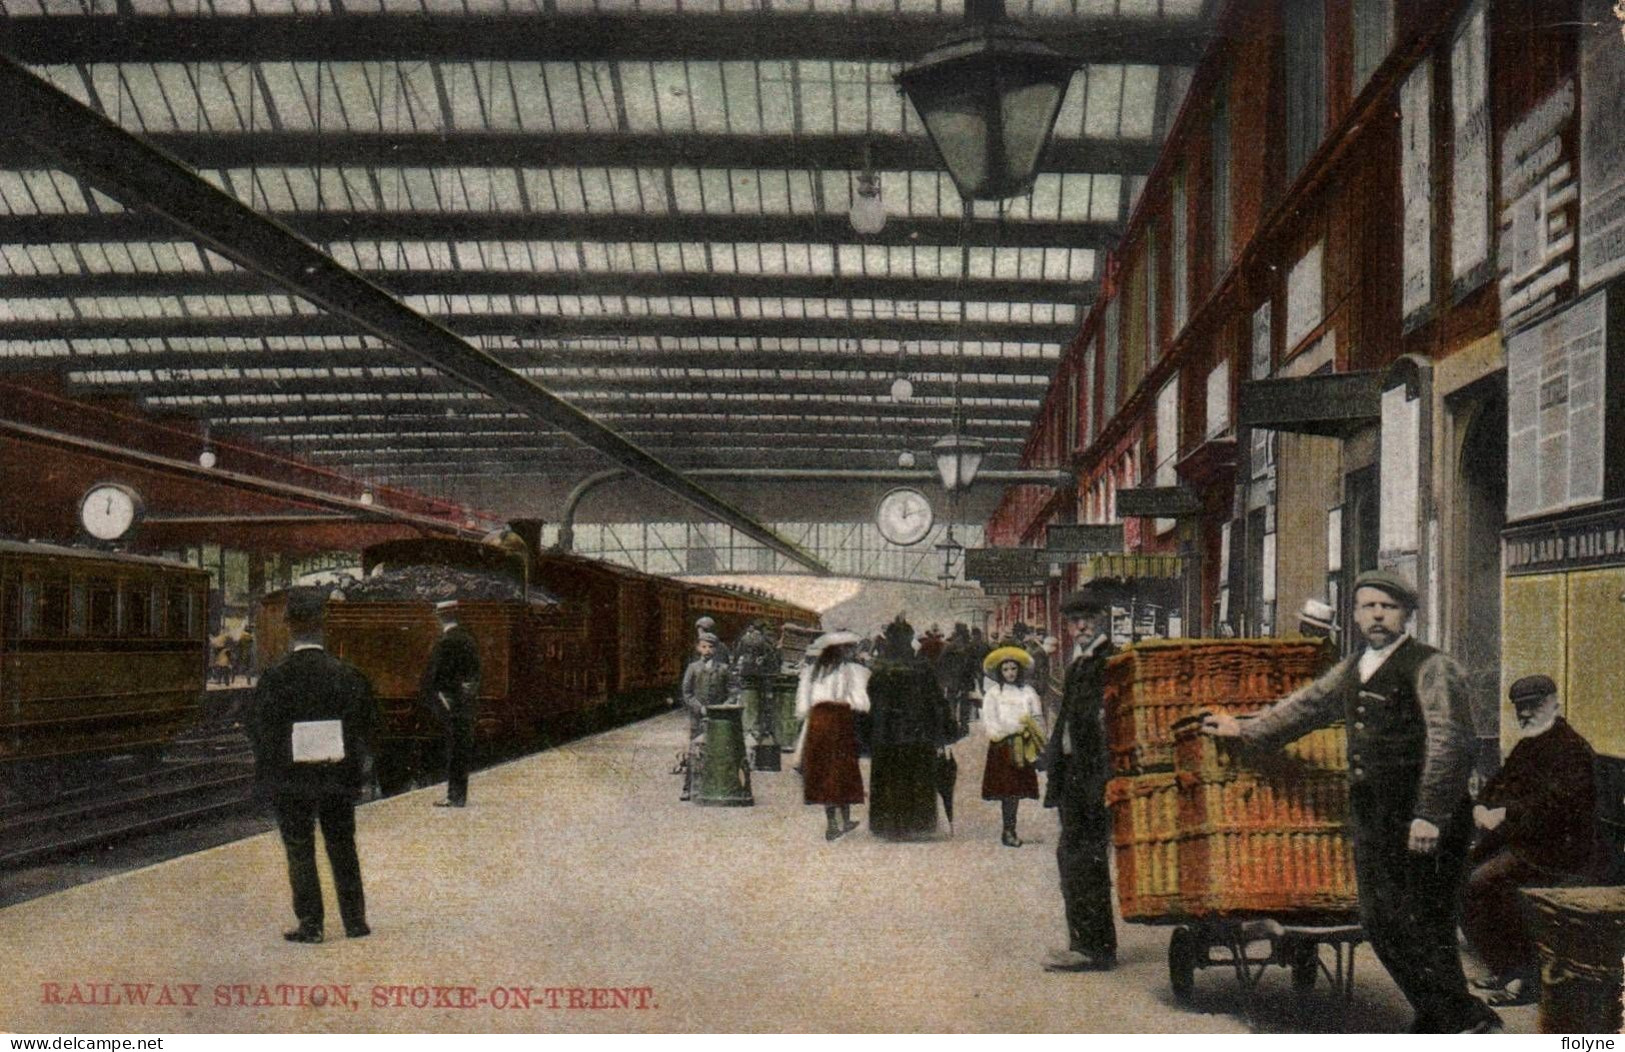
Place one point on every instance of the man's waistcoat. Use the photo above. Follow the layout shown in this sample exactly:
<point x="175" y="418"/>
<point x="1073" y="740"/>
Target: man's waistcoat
<point x="1386" y="731"/>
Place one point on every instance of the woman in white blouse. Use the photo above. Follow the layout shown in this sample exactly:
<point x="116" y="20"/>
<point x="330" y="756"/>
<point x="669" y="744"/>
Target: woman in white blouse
<point x="1009" y="776"/>
<point x="833" y="687"/>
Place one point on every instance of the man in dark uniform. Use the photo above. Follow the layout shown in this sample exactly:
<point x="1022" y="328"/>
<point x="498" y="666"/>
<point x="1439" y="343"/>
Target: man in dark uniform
<point x="705" y="683"/>
<point x="310" y="769"/>
<point x="450" y="689"/>
<point x="1078" y="766"/>
<point x="1410" y="751"/>
<point x="1537" y="824"/>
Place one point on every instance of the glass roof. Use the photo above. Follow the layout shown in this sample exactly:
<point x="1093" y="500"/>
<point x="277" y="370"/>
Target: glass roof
<point x="604" y="225"/>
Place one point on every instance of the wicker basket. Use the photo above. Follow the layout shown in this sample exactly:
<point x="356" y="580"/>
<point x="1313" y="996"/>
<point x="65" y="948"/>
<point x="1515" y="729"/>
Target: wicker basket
<point x="1145" y="838"/>
<point x="1152" y="686"/>
<point x="1580" y="933"/>
<point x="1264" y="831"/>
<point x="1322" y="751"/>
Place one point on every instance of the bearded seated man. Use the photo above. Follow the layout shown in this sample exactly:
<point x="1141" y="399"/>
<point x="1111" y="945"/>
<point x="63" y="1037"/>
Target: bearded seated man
<point x="1536" y="824"/>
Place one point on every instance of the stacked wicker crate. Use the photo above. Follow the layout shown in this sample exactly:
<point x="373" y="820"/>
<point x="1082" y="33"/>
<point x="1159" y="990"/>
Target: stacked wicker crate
<point x="1202" y="827"/>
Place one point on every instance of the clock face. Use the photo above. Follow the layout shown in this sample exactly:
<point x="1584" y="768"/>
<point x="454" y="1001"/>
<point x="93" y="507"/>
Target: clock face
<point x="109" y="510"/>
<point x="904" y="516"/>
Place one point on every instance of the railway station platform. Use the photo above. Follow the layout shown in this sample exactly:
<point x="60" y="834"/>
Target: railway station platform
<point x="577" y="894"/>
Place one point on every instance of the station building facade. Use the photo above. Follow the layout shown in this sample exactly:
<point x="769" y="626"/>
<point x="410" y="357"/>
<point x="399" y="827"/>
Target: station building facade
<point x="1368" y="312"/>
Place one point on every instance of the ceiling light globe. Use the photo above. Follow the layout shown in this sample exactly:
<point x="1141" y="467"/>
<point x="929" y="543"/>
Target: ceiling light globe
<point x="868" y="212"/>
<point x="905" y="459"/>
<point x="902" y="389"/>
<point x="206" y="458"/>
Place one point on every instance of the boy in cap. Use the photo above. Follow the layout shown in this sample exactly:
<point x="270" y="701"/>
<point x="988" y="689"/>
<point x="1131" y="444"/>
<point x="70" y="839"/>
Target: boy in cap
<point x="705" y="682"/>
<point x="1410" y="750"/>
<point x="1536" y="824"/>
<point x="450" y="690"/>
<point x="309" y="776"/>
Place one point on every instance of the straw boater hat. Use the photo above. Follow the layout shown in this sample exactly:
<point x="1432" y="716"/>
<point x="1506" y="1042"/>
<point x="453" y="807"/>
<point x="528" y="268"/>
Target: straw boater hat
<point x="840" y="638"/>
<point x="1317" y="613"/>
<point x="1003" y="654"/>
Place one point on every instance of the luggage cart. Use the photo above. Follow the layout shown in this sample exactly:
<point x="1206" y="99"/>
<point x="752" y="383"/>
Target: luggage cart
<point x="1224" y="941"/>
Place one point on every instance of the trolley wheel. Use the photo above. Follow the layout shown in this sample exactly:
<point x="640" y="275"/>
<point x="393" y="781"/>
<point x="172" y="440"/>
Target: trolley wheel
<point x="1182" y="951"/>
<point x="1305" y="964"/>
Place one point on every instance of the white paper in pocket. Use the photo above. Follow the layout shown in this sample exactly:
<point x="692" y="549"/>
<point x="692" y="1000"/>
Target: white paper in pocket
<point x="318" y="741"/>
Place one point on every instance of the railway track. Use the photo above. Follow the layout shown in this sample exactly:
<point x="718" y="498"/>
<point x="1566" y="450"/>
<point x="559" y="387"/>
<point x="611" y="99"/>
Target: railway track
<point x="205" y="774"/>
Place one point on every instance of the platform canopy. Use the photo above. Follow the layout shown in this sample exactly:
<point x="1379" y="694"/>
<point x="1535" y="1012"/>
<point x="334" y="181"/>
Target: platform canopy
<point x="638" y="205"/>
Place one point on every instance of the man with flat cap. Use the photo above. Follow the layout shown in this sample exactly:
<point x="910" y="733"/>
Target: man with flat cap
<point x="311" y="727"/>
<point x="450" y="689"/>
<point x="1535" y="820"/>
<point x="1078" y="766"/>
<point x="1410" y="751"/>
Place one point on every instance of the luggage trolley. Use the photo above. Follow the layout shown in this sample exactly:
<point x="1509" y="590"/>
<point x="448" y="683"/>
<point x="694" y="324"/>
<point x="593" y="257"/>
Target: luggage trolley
<point x="1294" y="944"/>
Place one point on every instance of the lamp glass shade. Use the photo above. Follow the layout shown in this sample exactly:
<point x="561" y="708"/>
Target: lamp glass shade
<point x="905" y="459"/>
<point x="207" y="459"/>
<point x="958" y="459"/>
<point x="988" y="97"/>
<point x="902" y="389"/>
<point x="868" y="213"/>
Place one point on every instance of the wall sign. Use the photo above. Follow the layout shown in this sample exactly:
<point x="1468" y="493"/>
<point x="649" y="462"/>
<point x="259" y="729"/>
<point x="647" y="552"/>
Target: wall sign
<point x="1064" y="542"/>
<point x="1602" y="145"/>
<point x="1415" y="178"/>
<point x="1556" y="375"/>
<point x="1583" y="542"/>
<point x="1470" y="152"/>
<point x="1536" y="183"/>
<point x="1007" y="566"/>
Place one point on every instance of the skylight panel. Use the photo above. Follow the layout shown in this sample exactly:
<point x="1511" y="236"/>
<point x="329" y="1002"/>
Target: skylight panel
<point x="1070" y="121"/>
<point x="596" y="196"/>
<point x="463" y="95"/>
<point x="817" y="90"/>
<point x="707" y="98"/>
<point x="1105" y="103"/>
<point x="1139" y="102"/>
<point x="776" y="91"/>
<point x="638" y="95"/>
<point x="1107" y="196"/>
<point x="671" y="96"/>
<point x="739" y="92"/>
<point x="564" y="95"/>
<point x="686" y="191"/>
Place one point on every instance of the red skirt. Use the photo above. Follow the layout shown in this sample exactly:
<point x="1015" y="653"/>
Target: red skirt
<point x="1003" y="780"/>
<point x="829" y="759"/>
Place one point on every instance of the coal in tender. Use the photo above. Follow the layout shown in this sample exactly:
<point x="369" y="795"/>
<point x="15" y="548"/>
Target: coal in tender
<point x="433" y="584"/>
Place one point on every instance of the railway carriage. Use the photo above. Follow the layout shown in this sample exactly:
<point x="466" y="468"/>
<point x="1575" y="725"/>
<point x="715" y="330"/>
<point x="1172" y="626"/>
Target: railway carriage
<point x="582" y="644"/>
<point x="100" y="652"/>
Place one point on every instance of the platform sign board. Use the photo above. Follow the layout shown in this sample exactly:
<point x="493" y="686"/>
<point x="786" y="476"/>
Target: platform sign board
<point x="1556" y="374"/>
<point x="1537" y="186"/>
<point x="1007" y="566"/>
<point x="1069" y="543"/>
<point x="1602" y="144"/>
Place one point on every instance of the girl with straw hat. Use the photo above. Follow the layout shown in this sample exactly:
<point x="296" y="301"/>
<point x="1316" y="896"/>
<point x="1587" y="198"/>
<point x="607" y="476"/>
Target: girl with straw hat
<point x="1011" y="712"/>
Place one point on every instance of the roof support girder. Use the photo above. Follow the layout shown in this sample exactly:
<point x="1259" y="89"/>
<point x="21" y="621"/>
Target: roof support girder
<point x="538" y="327"/>
<point x="559" y="37"/>
<point x="139" y="176"/>
<point x="577" y="283"/>
<point x="459" y="148"/>
<point x="819" y="228"/>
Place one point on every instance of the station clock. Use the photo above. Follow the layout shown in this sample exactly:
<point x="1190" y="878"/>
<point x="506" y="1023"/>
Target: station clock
<point x="108" y="511"/>
<point x="904" y="516"/>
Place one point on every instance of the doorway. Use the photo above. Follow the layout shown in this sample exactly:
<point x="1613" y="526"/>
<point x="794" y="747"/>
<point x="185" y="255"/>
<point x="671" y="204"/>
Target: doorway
<point x="1479" y="419"/>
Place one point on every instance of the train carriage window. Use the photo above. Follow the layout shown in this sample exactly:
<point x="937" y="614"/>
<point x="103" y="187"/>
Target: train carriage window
<point x="12" y="602"/>
<point x="76" y="609"/>
<point x="53" y="610"/>
<point x="137" y="609"/>
<point x="176" y="624"/>
<point x="102" y="611"/>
